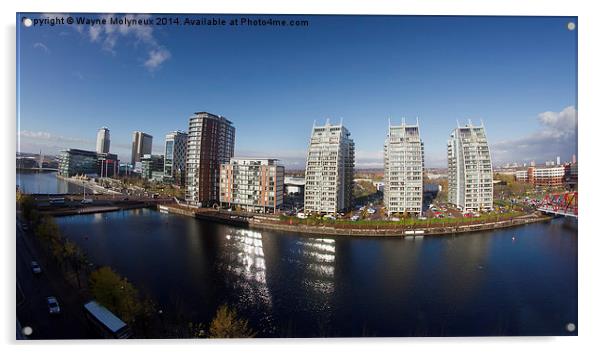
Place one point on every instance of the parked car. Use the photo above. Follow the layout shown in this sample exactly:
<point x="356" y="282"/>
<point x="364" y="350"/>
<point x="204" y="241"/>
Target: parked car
<point x="86" y="201"/>
<point x="371" y="211"/>
<point x="355" y="218"/>
<point x="35" y="268"/>
<point x="329" y="216"/>
<point x="301" y="215"/>
<point x="53" y="306"/>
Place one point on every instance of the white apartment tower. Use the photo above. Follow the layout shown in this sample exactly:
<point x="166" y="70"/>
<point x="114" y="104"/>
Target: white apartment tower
<point x="103" y="140"/>
<point x="329" y="169"/>
<point x="470" y="174"/>
<point x="404" y="166"/>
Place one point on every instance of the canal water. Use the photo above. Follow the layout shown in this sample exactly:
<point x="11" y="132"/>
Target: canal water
<point x="519" y="281"/>
<point x="45" y="183"/>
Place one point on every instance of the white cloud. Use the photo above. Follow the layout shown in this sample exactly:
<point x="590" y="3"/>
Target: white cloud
<point x="109" y="36"/>
<point x="557" y="137"/>
<point x="42" y="46"/>
<point x="156" y="58"/>
<point x="43" y="135"/>
<point x="35" y="134"/>
<point x="561" y="124"/>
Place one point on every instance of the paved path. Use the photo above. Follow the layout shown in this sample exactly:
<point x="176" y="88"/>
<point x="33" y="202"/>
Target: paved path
<point x="32" y="291"/>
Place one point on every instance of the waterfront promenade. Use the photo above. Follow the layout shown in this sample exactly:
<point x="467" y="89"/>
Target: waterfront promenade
<point x="272" y="222"/>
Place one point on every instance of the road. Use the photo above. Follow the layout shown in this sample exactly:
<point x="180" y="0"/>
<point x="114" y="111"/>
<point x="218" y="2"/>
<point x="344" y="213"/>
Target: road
<point x="32" y="291"/>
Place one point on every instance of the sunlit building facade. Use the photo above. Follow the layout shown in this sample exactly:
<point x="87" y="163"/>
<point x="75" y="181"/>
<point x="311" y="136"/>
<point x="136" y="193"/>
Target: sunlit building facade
<point x="142" y="143"/>
<point x="103" y="140"/>
<point x="470" y="174"/>
<point x="210" y="143"/>
<point x="404" y="166"/>
<point x="329" y="169"/>
<point x="253" y="184"/>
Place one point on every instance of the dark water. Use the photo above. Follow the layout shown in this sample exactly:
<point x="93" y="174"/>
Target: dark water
<point x="294" y="285"/>
<point x="45" y="183"/>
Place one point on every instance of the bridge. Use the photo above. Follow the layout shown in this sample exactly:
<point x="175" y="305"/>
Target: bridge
<point x="38" y="169"/>
<point x="563" y="204"/>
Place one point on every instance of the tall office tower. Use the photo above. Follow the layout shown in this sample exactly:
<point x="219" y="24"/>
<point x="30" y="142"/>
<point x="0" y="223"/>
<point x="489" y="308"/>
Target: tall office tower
<point x="210" y="143"/>
<point x="470" y="174"/>
<point x="329" y="169"/>
<point x="142" y="144"/>
<point x="103" y="140"/>
<point x="253" y="184"/>
<point x="175" y="156"/>
<point x="404" y="166"/>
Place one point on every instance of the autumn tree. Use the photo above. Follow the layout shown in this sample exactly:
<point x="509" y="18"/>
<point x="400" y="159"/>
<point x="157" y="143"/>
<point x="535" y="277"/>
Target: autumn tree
<point x="226" y="324"/>
<point x="27" y="205"/>
<point x="116" y="293"/>
<point x="75" y="258"/>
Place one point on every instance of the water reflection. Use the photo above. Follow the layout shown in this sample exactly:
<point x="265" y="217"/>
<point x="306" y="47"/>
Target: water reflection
<point x="319" y="255"/>
<point x="244" y="266"/>
<point x="294" y="285"/>
<point x="45" y="183"/>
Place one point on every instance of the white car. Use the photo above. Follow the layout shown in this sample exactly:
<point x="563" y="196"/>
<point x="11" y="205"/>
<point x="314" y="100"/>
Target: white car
<point x="371" y="211"/>
<point x="53" y="306"/>
<point x="35" y="268"/>
<point x="301" y="215"/>
<point x="355" y="218"/>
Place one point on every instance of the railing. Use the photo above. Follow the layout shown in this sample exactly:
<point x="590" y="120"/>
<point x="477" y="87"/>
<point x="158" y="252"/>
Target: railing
<point x="565" y="204"/>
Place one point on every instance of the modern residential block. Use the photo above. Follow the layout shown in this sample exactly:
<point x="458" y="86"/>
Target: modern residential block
<point x="253" y="184"/>
<point x="404" y="168"/>
<point x="329" y="169"/>
<point x="175" y="156"/>
<point x="210" y="143"/>
<point x="470" y="174"/>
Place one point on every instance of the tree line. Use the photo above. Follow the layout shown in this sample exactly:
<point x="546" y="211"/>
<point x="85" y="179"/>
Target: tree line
<point x="116" y="292"/>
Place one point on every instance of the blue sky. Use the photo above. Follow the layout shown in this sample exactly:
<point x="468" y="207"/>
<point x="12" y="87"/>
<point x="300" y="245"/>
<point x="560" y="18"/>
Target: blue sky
<point x="517" y="74"/>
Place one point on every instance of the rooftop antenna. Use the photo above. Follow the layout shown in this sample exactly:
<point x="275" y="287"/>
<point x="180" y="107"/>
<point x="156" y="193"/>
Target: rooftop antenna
<point x="403" y="120"/>
<point x="327" y="121"/>
<point x="389" y="122"/>
<point x="482" y="122"/>
<point x="417" y="121"/>
<point x="341" y="121"/>
<point x="469" y="122"/>
<point x="457" y="122"/>
<point x="314" y="125"/>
